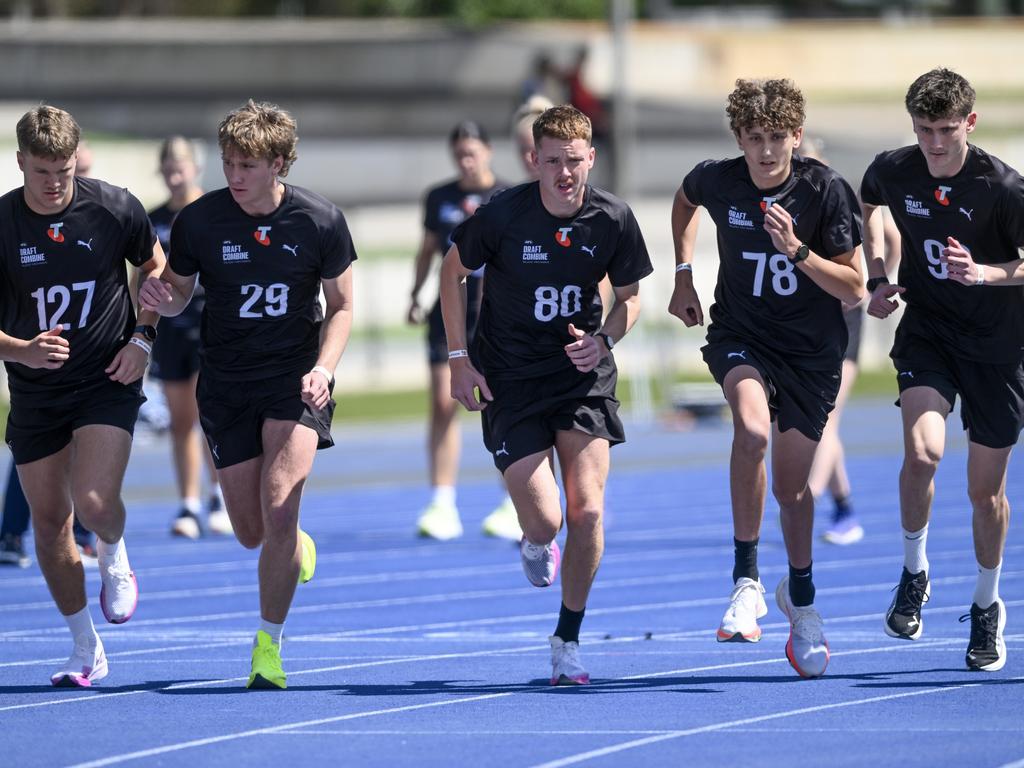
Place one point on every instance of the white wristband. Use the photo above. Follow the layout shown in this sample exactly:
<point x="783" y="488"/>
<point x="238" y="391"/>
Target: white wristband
<point x="322" y="371"/>
<point x="454" y="353"/>
<point x="141" y="343"/>
<point x="684" y="267"/>
<point x="981" y="275"/>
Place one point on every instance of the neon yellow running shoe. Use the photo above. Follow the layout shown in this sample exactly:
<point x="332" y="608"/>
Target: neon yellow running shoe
<point x="308" y="565"/>
<point x="266" y="673"/>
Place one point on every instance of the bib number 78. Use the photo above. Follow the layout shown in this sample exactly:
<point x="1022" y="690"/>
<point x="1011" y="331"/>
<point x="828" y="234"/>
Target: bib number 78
<point x="782" y="269"/>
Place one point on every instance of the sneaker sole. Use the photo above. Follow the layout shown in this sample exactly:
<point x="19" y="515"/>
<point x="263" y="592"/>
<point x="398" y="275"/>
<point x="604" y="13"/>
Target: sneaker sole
<point x="566" y="680"/>
<point x="260" y="683"/>
<point x="308" y="554"/>
<point x="103" y="604"/>
<point x="739" y="637"/>
<point x="557" y="551"/>
<point x="795" y="666"/>
<point x="842" y="541"/>
<point x="920" y="624"/>
<point x="78" y="680"/>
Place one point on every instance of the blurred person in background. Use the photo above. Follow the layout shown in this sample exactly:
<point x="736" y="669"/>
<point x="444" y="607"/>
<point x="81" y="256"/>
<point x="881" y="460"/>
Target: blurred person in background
<point x="263" y="251"/>
<point x="75" y="358"/>
<point x="541" y="371"/>
<point x="446" y="206"/>
<point x="788" y="240"/>
<point x="960" y="212"/>
<point x="175" y="360"/>
<point x="829" y="469"/>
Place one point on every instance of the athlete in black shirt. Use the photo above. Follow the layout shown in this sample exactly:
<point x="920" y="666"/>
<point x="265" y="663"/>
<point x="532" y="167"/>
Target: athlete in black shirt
<point x="788" y="233"/>
<point x="75" y="359"/>
<point x="262" y="250"/>
<point x="960" y="212"/>
<point x="175" y="360"/>
<point x="446" y="206"/>
<point x="541" y="357"/>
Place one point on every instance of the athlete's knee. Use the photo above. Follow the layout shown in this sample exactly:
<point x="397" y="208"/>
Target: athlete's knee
<point x="986" y="502"/>
<point x="99" y="510"/>
<point x="750" y="443"/>
<point x="789" y="494"/>
<point x="280" y="521"/>
<point x="584" y="517"/>
<point x="540" y="529"/>
<point x="922" y="460"/>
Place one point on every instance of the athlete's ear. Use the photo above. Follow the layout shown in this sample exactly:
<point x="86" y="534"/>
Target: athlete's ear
<point x="798" y="137"/>
<point x="21" y="160"/>
<point x="972" y="121"/>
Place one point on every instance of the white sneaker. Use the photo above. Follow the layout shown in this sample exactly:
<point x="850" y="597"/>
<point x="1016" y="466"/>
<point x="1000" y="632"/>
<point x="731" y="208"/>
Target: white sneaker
<point x="440" y="521"/>
<point x="566" y="668"/>
<point x="119" y="594"/>
<point x="540" y="562"/>
<point x="503" y="522"/>
<point x="87" y="663"/>
<point x="807" y="648"/>
<point x="186" y="525"/>
<point x="746" y="606"/>
<point x="218" y="522"/>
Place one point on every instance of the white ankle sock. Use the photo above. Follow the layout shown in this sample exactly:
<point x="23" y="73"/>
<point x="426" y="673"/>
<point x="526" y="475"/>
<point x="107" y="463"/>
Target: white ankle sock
<point x="444" y="495"/>
<point x="986" y="591"/>
<point x="191" y="503"/>
<point x="915" y="559"/>
<point x="276" y="631"/>
<point x="81" y="625"/>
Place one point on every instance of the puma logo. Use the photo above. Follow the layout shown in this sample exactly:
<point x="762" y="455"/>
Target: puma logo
<point x="501" y="451"/>
<point x="294" y="249"/>
<point x="589" y="250"/>
<point x="967" y="213"/>
<point x="742" y="355"/>
<point x="86" y="245"/>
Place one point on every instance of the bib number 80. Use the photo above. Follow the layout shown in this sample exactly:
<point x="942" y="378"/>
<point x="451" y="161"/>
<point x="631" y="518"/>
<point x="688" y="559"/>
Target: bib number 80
<point x="550" y="302"/>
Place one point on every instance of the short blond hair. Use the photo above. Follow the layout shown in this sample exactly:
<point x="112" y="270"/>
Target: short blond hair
<point x="46" y="131"/>
<point x="260" y="130"/>
<point x="770" y="104"/>
<point x="563" y="122"/>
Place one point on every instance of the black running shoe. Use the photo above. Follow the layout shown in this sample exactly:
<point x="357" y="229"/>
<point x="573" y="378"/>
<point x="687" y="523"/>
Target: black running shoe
<point x="12" y="551"/>
<point x="987" y="650"/>
<point x="903" y="619"/>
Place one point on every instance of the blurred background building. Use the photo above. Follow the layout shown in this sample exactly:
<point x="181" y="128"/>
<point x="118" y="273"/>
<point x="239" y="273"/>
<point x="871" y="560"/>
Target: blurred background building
<point x="377" y="84"/>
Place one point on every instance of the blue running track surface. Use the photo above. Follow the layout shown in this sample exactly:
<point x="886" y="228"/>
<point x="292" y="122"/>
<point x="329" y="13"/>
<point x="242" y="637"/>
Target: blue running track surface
<point x="405" y="652"/>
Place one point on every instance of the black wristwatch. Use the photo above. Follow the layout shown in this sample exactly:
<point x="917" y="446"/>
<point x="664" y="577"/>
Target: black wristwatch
<point x="607" y="340"/>
<point x="802" y="252"/>
<point x="148" y="332"/>
<point x="874" y="282"/>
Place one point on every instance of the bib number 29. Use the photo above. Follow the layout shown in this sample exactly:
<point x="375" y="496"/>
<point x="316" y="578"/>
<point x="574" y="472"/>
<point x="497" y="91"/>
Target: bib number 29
<point x="274" y="298"/>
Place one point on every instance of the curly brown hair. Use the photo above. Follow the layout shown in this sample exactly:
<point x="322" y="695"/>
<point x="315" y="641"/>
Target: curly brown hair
<point x="260" y="130"/>
<point x="940" y="93"/>
<point x="46" y="131"/>
<point x="563" y="122"/>
<point x="769" y="104"/>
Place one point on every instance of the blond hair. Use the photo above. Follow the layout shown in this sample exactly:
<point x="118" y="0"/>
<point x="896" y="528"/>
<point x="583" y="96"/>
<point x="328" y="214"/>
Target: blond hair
<point x="177" y="149"/>
<point x="46" y="131"/>
<point x="260" y="130"/>
<point x="769" y="104"/>
<point x="562" y="122"/>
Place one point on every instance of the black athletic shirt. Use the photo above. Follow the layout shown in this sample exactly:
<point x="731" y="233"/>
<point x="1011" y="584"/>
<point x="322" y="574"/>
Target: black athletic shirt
<point x="760" y="295"/>
<point x="69" y="269"/>
<point x="262" y="278"/>
<point x="446" y="206"/>
<point x="983" y="208"/>
<point x="542" y="274"/>
<point x="162" y="218"/>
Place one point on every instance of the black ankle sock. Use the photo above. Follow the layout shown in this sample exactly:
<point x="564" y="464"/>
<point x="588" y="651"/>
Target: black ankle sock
<point x="568" y="629"/>
<point x="801" y="585"/>
<point x="843" y="507"/>
<point x="745" y="564"/>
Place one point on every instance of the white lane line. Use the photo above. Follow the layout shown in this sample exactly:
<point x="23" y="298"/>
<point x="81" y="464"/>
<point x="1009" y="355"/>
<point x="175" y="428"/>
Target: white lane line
<point x="146" y="753"/>
<point x="636" y="743"/>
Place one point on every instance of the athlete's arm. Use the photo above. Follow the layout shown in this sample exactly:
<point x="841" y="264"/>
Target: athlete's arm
<point x="881" y="302"/>
<point x="46" y="350"/>
<point x="167" y="293"/>
<point x="685" y="304"/>
<point x="429" y="245"/>
<point x="466" y="379"/>
<point x="588" y="350"/>
<point x="129" y="364"/>
<point x="334" y="333"/>
<point x="839" y="276"/>
<point x="964" y="270"/>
